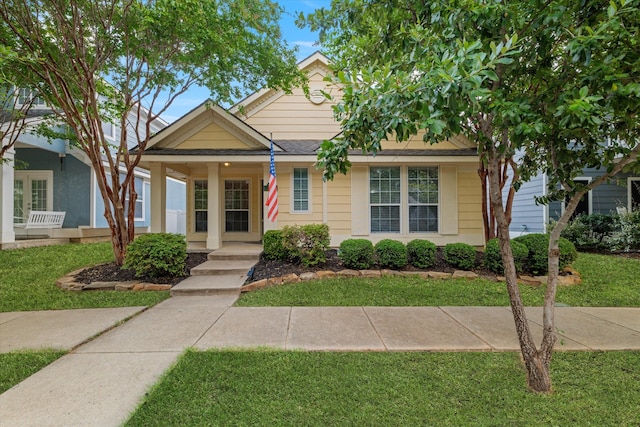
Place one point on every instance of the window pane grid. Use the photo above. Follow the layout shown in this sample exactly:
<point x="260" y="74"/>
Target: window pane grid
<point x="300" y="189"/>
<point x="201" y="202"/>
<point x="236" y="204"/>
<point x="384" y="199"/>
<point x="423" y="199"/>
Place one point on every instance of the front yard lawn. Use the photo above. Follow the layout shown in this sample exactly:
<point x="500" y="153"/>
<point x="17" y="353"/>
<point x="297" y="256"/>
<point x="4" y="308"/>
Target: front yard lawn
<point x="391" y="389"/>
<point x="607" y="281"/>
<point x="15" y="367"/>
<point x="28" y="276"/>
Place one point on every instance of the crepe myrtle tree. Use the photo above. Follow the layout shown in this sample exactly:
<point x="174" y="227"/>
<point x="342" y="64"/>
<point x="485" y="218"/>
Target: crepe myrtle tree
<point x="556" y="80"/>
<point x="125" y="62"/>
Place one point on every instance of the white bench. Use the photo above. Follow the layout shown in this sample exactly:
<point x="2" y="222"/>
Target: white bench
<point x="43" y="219"/>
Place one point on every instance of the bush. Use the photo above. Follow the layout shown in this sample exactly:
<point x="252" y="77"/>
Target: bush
<point x="629" y="237"/>
<point x="306" y="244"/>
<point x="391" y="254"/>
<point x="538" y="245"/>
<point x="157" y="255"/>
<point x="460" y="255"/>
<point x="493" y="258"/>
<point x="591" y="232"/>
<point x="357" y="253"/>
<point x="272" y="245"/>
<point x="422" y="253"/>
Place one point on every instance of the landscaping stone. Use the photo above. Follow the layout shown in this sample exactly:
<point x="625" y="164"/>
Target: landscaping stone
<point x="437" y="275"/>
<point x="124" y="286"/>
<point x="100" y="286"/>
<point x="569" y="280"/>
<point x="309" y="275"/>
<point x="390" y="273"/>
<point x="370" y="273"/>
<point x="156" y="287"/>
<point x="258" y="284"/>
<point x="530" y="280"/>
<point x="325" y="273"/>
<point x="348" y="273"/>
<point x="290" y="278"/>
<point x="462" y="274"/>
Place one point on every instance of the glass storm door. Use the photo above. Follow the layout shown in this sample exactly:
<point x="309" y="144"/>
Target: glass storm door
<point x="236" y="205"/>
<point x="32" y="191"/>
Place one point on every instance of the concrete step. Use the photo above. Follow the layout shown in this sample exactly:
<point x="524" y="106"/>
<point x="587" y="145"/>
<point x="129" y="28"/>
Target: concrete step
<point x="227" y="285"/>
<point x="223" y="267"/>
<point x="237" y="253"/>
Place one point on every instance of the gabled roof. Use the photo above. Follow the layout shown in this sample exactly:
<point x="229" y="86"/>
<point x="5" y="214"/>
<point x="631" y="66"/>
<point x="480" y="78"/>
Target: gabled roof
<point x="202" y="116"/>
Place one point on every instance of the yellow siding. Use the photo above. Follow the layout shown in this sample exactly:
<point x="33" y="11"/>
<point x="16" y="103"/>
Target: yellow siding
<point x="339" y="205"/>
<point x="293" y="116"/>
<point x="212" y="136"/>
<point x="416" y="143"/>
<point x="469" y="202"/>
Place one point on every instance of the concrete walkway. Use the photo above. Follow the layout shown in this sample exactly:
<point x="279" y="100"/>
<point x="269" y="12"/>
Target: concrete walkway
<point x="102" y="381"/>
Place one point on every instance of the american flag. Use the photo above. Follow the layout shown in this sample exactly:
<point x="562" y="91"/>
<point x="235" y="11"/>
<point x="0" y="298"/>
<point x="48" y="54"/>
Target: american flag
<point x="272" y="195"/>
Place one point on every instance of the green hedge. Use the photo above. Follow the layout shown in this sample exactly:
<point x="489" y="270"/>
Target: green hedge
<point x="460" y="255"/>
<point x="493" y="257"/>
<point x="391" y="254"/>
<point x="157" y="255"/>
<point x="538" y="245"/>
<point x="422" y="253"/>
<point x="272" y="245"/>
<point x="306" y="244"/>
<point x="357" y="253"/>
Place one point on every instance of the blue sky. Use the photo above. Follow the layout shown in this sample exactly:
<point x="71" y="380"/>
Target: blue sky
<point x="303" y="39"/>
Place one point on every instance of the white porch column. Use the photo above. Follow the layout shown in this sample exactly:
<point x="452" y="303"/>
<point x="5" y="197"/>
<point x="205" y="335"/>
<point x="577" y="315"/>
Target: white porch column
<point x="7" y="235"/>
<point x="158" y="197"/>
<point x="268" y="225"/>
<point x="214" y="224"/>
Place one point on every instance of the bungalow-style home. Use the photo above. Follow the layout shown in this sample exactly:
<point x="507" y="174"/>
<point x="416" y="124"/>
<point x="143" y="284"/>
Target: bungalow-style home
<point x="408" y="191"/>
<point x="42" y="175"/>
<point x="621" y="194"/>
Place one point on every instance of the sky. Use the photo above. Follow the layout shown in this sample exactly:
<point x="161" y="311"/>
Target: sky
<point x="303" y="39"/>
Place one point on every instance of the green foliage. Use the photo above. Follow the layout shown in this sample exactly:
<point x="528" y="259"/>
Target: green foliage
<point x="493" y="257"/>
<point x="306" y="244"/>
<point x="273" y="247"/>
<point x="629" y="237"/>
<point x="460" y="255"/>
<point x="391" y="254"/>
<point x="157" y="255"/>
<point x="538" y="245"/>
<point x="15" y="367"/>
<point x="357" y="253"/>
<point x="422" y="253"/>
<point x="591" y="232"/>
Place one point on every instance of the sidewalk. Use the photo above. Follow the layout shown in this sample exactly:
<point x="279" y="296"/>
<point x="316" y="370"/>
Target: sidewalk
<point x="101" y="382"/>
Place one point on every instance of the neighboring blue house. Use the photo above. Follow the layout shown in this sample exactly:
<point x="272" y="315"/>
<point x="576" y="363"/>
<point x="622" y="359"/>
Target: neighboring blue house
<point x="53" y="176"/>
<point x="623" y="192"/>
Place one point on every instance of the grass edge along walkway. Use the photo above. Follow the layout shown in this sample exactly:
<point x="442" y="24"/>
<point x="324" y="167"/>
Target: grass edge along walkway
<point x="324" y="388"/>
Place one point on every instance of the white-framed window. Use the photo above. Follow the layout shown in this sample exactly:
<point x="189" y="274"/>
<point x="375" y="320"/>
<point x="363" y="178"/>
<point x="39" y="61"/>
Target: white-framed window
<point x="423" y="199"/>
<point x="201" y="191"/>
<point x="109" y="130"/>
<point x="384" y="199"/>
<point x="138" y="184"/>
<point x="236" y="206"/>
<point x="633" y="188"/>
<point x="301" y="190"/>
<point x="25" y="95"/>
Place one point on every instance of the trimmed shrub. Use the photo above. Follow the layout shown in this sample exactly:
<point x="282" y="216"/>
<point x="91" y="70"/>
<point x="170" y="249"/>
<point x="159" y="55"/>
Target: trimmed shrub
<point x="422" y="253"/>
<point x="157" y="255"/>
<point x="306" y="244"/>
<point x="591" y="232"/>
<point x="538" y="245"/>
<point x="357" y="253"/>
<point x="460" y="255"/>
<point x="629" y="237"/>
<point x="493" y="258"/>
<point x="391" y="254"/>
<point x="272" y="245"/>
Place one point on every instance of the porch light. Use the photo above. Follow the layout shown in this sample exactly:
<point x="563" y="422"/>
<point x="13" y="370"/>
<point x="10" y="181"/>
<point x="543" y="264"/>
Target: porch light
<point x="227" y="163"/>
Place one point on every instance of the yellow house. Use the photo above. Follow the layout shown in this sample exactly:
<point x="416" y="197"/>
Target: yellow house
<point x="407" y="191"/>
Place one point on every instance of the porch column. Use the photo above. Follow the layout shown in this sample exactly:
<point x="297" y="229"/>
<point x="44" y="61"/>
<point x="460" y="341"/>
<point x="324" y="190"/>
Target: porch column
<point x="158" y="197"/>
<point x="214" y="236"/>
<point x="7" y="235"/>
<point x="268" y="225"/>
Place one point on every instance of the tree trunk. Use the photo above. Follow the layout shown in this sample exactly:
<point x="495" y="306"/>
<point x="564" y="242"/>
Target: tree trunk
<point x="537" y="366"/>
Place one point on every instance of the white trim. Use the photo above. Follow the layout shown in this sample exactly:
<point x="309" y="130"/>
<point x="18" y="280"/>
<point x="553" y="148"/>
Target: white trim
<point x="292" y="209"/>
<point x="630" y="180"/>
<point x="249" y="158"/>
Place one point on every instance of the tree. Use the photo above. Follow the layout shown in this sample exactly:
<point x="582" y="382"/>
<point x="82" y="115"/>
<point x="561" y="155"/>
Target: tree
<point x="126" y="61"/>
<point x="553" y="79"/>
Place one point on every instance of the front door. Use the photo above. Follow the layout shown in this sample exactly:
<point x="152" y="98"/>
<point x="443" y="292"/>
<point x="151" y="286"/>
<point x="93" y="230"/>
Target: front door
<point x="32" y="191"/>
<point x="236" y="206"/>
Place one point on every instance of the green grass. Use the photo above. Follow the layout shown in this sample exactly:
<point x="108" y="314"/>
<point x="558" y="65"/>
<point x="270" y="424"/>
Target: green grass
<point x="607" y="281"/>
<point x="28" y="279"/>
<point x="15" y="367"/>
<point x="319" y="389"/>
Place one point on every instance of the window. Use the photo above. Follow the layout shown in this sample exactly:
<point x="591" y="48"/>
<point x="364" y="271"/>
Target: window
<point x="200" y="205"/>
<point x="236" y="206"/>
<point x="300" y="190"/>
<point x="138" y="184"/>
<point x="384" y="199"/>
<point x="25" y="95"/>
<point x="109" y="130"/>
<point x="423" y="199"/>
